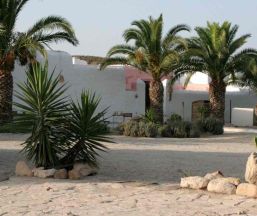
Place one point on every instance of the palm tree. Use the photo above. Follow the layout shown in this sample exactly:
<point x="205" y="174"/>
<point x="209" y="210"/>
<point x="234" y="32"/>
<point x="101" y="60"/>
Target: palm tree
<point x="151" y="53"/>
<point x="22" y="46"/>
<point x="215" y="52"/>
<point x="248" y="78"/>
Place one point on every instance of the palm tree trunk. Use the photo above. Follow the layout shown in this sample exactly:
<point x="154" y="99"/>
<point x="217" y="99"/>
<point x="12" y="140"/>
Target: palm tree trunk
<point x="217" y="92"/>
<point x="6" y="93"/>
<point x="156" y="99"/>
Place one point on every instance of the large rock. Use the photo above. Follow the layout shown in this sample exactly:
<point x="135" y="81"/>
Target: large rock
<point x="194" y="182"/>
<point x="74" y="174"/>
<point x="84" y="169"/>
<point x="22" y="169"/>
<point x="42" y="173"/>
<point x="245" y="189"/>
<point x="61" y="174"/>
<point x="222" y="185"/>
<point x="214" y="175"/>
<point x="251" y="169"/>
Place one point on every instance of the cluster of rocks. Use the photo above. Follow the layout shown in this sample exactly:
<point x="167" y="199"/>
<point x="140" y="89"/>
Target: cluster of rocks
<point x="79" y="171"/>
<point x="217" y="183"/>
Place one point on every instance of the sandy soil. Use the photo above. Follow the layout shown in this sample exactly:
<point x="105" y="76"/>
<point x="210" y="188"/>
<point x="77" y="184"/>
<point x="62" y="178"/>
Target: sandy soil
<point x="138" y="176"/>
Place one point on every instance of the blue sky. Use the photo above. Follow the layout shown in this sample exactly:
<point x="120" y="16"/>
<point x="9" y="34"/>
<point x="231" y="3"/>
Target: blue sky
<point x="99" y="24"/>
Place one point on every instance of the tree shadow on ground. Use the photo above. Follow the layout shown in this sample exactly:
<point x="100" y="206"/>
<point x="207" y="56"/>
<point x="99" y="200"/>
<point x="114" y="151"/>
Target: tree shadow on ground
<point x="150" y="166"/>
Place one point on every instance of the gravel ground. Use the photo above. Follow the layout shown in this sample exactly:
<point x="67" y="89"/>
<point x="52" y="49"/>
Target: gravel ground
<point x="138" y="176"/>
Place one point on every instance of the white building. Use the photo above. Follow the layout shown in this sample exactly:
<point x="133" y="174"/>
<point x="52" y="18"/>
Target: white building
<point x="124" y="93"/>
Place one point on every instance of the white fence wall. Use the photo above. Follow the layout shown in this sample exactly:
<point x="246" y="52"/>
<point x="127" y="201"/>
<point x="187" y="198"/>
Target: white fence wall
<point x="109" y="84"/>
<point x="181" y="102"/>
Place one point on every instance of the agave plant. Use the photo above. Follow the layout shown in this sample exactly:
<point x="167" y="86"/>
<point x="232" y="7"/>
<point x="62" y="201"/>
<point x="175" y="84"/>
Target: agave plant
<point x="86" y="130"/>
<point x="41" y="99"/>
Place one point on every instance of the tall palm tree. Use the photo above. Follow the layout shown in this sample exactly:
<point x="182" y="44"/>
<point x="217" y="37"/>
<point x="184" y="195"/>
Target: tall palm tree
<point x="22" y="46"/>
<point x="218" y="53"/>
<point x="150" y="52"/>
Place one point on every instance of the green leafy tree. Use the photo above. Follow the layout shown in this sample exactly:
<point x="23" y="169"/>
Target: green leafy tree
<point x="148" y="50"/>
<point x="217" y="52"/>
<point x="22" y="46"/>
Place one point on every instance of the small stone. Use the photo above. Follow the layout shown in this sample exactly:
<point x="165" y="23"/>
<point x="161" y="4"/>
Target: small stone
<point x="214" y="175"/>
<point x="42" y="173"/>
<point x="221" y="185"/>
<point x="61" y="174"/>
<point x="194" y="182"/>
<point x="74" y="174"/>
<point x="85" y="169"/>
<point x="22" y="169"/>
<point x="246" y="189"/>
<point x="251" y="169"/>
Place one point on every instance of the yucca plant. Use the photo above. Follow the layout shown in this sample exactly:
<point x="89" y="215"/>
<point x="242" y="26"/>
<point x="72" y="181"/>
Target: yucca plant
<point x="86" y="131"/>
<point x="41" y="98"/>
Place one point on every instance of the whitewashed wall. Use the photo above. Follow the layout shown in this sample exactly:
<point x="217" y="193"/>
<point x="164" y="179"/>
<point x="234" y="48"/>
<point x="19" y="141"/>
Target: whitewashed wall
<point x="109" y="84"/>
<point x="181" y="102"/>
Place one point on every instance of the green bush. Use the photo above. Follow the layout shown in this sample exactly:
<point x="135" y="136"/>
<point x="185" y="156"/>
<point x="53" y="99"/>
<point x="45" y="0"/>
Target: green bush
<point x="211" y="125"/>
<point x="174" y="118"/>
<point x="151" y="130"/>
<point x="180" y="129"/>
<point x="195" y="131"/>
<point x="129" y="126"/>
<point x="164" y="131"/>
<point x="142" y="129"/>
<point x="134" y="131"/>
<point x="150" y="116"/>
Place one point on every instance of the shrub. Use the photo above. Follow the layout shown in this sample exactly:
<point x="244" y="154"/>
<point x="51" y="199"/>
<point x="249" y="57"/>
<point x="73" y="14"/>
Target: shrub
<point x="142" y="129"/>
<point x="204" y="111"/>
<point x="85" y="131"/>
<point x="128" y="127"/>
<point x="151" y="130"/>
<point x="180" y="129"/>
<point x="134" y="130"/>
<point x="195" y="131"/>
<point x="150" y="116"/>
<point x="164" y="131"/>
<point x="174" y="118"/>
<point x="211" y="125"/>
<point x="46" y="109"/>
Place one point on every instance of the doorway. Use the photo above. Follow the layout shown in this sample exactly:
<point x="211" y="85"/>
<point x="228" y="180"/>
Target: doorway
<point x="147" y="96"/>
